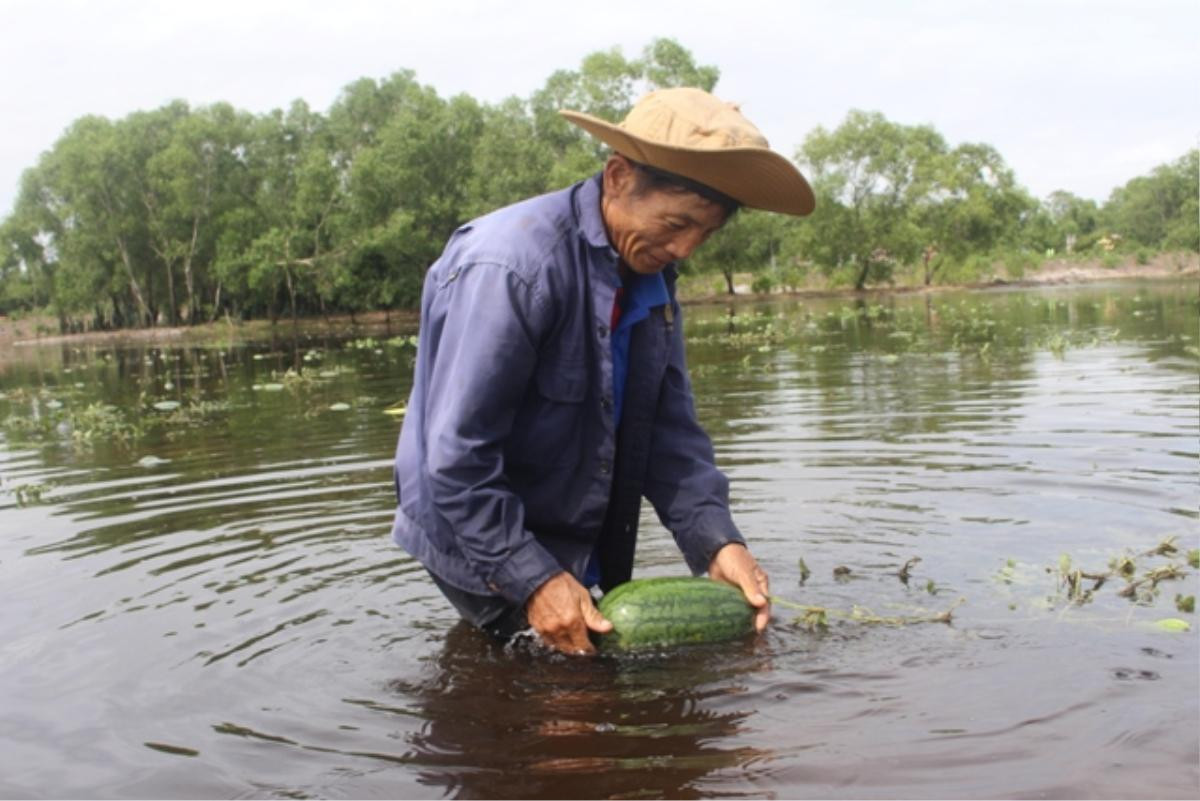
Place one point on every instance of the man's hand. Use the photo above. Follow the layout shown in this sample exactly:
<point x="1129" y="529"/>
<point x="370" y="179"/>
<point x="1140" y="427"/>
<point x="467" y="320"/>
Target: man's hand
<point x="561" y="612"/>
<point x="734" y="565"/>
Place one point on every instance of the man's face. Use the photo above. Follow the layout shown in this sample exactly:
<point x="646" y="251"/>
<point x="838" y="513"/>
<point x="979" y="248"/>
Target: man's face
<point x="653" y="228"/>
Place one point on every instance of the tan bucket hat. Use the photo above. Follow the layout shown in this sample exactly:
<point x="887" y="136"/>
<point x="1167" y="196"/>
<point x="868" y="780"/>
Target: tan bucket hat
<point x="691" y="133"/>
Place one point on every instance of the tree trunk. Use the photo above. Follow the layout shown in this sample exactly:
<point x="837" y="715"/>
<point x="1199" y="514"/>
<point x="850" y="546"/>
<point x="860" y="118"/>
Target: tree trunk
<point x="729" y="281"/>
<point x="188" y="281"/>
<point x="133" y="283"/>
<point x="172" y="309"/>
<point x="860" y="283"/>
<point x="291" y="288"/>
<point x="216" y="303"/>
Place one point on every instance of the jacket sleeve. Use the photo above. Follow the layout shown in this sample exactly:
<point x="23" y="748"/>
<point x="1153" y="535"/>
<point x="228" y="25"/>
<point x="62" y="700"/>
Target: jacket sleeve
<point x="689" y="493"/>
<point x="490" y="319"/>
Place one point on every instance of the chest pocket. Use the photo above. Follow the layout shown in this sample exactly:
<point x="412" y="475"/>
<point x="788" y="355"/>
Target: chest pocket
<point x="562" y="382"/>
<point x="548" y="429"/>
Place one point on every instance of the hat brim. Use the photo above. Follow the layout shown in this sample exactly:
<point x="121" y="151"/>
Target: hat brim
<point x="754" y="176"/>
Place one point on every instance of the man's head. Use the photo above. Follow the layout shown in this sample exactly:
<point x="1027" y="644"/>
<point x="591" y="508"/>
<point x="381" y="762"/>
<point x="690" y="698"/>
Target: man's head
<point x="690" y="133"/>
<point x="654" y="217"/>
<point x="683" y="162"/>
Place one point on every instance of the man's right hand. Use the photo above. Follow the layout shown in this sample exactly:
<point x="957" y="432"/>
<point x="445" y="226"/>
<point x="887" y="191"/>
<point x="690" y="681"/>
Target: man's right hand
<point x="561" y="612"/>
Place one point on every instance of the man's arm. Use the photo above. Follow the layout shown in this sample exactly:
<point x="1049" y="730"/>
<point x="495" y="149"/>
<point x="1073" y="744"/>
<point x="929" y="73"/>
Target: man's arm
<point x="487" y="322"/>
<point x="689" y="493"/>
<point x="490" y="322"/>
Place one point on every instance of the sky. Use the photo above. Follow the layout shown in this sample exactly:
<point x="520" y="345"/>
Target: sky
<point x="1079" y="95"/>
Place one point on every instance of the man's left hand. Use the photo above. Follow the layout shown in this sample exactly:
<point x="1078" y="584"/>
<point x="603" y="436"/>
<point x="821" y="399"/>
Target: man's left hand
<point x="734" y="565"/>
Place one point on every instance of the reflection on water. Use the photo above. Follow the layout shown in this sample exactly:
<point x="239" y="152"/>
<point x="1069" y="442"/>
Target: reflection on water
<point x="545" y="727"/>
<point x="202" y="600"/>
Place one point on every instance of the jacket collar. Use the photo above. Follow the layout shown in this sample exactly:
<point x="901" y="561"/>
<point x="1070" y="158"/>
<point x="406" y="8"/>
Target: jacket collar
<point x="587" y="211"/>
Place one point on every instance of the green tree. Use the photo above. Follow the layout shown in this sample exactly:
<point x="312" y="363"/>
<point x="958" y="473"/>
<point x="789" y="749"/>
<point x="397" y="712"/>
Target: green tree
<point x="879" y="173"/>
<point x="194" y="178"/>
<point x="1159" y="210"/>
<point x="743" y="244"/>
<point x="973" y="205"/>
<point x="1072" y="217"/>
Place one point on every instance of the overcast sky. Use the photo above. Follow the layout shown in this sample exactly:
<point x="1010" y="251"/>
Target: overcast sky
<point x="1074" y="95"/>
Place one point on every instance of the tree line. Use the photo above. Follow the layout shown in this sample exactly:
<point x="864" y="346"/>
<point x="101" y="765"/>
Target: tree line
<point x="181" y="215"/>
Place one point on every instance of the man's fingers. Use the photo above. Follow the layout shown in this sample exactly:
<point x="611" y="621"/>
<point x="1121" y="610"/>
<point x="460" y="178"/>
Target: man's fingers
<point x="561" y="612"/>
<point x="594" y="620"/>
<point x="734" y="565"/>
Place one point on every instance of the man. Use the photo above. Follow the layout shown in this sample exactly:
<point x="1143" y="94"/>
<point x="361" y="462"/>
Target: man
<point x="551" y="394"/>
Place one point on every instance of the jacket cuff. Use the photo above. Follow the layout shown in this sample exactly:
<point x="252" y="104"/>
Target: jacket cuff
<point x="523" y="571"/>
<point x="709" y="533"/>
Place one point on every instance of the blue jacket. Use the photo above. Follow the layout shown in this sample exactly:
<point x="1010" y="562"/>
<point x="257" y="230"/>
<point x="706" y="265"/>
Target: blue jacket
<point x="509" y="468"/>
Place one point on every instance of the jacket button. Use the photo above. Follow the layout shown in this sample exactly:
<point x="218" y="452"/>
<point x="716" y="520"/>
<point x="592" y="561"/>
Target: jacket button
<point x="606" y="402"/>
<point x="602" y="331"/>
<point x="605" y="467"/>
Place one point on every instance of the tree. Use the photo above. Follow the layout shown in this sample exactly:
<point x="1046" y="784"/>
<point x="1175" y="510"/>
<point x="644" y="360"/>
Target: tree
<point x="742" y="244"/>
<point x="973" y="206"/>
<point x="878" y="173"/>
<point x="190" y="181"/>
<point x="1159" y="210"/>
<point x="1072" y="217"/>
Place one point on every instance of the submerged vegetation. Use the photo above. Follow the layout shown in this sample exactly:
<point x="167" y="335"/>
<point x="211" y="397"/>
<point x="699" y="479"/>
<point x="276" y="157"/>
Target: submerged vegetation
<point x="184" y="215"/>
<point x="1067" y="587"/>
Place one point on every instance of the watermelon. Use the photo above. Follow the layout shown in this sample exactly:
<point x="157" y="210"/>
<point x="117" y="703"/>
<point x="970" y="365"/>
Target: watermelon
<point x="658" y="612"/>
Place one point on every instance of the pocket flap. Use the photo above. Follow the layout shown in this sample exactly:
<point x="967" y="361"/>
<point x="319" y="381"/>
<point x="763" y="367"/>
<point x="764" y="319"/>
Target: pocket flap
<point x="562" y="382"/>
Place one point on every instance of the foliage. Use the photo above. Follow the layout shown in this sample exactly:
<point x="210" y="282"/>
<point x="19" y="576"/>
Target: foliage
<point x="182" y="214"/>
<point x="1159" y="210"/>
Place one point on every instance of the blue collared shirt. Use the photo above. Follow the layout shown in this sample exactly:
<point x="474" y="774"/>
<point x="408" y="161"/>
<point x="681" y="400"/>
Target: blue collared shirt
<point x="645" y="292"/>
<point x="505" y="463"/>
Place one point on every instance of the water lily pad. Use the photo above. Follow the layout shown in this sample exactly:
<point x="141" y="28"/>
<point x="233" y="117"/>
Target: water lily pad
<point x="152" y="461"/>
<point x="167" y="405"/>
<point x="53" y="404"/>
<point x="339" y="407"/>
<point x="328" y="374"/>
<point x="272" y="387"/>
<point x="397" y="410"/>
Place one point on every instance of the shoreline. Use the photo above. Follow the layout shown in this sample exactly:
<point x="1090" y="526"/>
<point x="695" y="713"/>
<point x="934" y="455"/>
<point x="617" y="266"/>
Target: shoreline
<point x="28" y="332"/>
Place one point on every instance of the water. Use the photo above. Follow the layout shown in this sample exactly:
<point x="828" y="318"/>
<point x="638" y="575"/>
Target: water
<point x="204" y="601"/>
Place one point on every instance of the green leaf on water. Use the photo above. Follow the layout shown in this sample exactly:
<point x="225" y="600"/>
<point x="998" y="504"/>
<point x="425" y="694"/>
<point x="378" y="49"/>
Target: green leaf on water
<point x="167" y="405"/>
<point x="272" y="387"/>
<point x="1172" y="624"/>
<point x="339" y="407"/>
<point x="1194" y="557"/>
<point x="1186" y="603"/>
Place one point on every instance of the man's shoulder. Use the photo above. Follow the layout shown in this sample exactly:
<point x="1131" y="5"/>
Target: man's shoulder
<point x="525" y="234"/>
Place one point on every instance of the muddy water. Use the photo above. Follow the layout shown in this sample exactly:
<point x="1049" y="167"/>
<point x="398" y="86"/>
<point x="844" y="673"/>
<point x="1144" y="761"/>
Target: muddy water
<point x="201" y="600"/>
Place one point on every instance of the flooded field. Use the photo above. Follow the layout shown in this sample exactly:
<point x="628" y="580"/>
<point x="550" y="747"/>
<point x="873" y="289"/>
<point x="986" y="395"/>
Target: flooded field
<point x="202" y="599"/>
